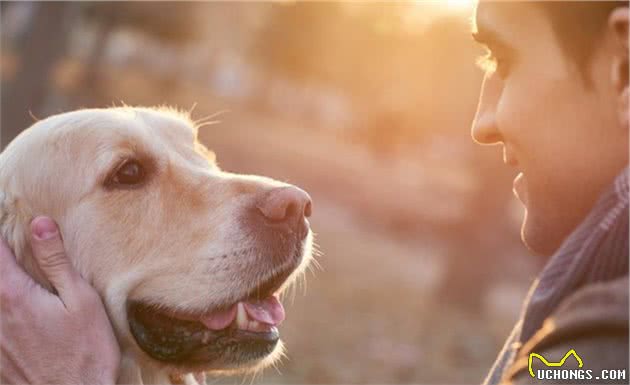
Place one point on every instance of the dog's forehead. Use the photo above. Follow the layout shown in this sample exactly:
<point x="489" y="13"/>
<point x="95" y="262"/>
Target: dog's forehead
<point x="114" y="128"/>
<point x="96" y="138"/>
<point x="169" y="124"/>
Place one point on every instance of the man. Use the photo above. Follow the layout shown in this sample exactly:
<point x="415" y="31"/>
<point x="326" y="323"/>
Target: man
<point x="556" y="98"/>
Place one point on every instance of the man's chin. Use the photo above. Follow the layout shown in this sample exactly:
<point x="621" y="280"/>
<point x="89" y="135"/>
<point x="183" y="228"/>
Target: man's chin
<point x="538" y="238"/>
<point x="519" y="188"/>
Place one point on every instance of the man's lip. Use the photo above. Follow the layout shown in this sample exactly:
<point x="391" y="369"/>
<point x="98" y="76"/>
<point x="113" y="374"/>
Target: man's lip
<point x="509" y="158"/>
<point x="518" y="187"/>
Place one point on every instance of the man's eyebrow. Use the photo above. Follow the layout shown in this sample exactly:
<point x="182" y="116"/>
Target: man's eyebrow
<point x="478" y="37"/>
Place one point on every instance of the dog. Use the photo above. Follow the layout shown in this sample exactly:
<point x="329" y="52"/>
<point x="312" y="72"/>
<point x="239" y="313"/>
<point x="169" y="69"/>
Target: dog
<point x="188" y="259"/>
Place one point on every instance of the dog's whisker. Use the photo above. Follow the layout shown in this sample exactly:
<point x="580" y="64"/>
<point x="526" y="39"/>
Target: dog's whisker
<point x="292" y="288"/>
<point x="214" y="381"/>
<point x="191" y="109"/>
<point x="282" y="355"/>
<point x="315" y="264"/>
<point x="310" y="269"/>
<point x="243" y="379"/>
<point x="305" y="284"/>
<point x="35" y="118"/>
<point x="211" y="116"/>
<point x="208" y="123"/>
<point x="255" y="374"/>
<point x="297" y="287"/>
<point x="298" y="284"/>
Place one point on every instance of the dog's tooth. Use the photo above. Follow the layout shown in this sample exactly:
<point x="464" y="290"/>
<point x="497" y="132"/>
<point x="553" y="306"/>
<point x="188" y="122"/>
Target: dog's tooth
<point x="241" y="316"/>
<point x="253" y="326"/>
<point x="205" y="338"/>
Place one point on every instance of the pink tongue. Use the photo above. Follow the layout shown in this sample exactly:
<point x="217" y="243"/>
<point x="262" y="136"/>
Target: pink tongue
<point x="220" y="319"/>
<point x="268" y="310"/>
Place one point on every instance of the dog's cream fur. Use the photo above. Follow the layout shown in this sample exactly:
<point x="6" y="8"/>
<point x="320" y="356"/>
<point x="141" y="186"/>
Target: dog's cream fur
<point x="157" y="243"/>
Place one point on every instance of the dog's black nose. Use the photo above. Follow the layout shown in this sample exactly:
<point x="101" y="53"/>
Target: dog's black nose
<point x="285" y="205"/>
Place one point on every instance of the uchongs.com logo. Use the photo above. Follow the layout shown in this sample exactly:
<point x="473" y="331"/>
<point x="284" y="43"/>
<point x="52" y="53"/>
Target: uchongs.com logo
<point x="555" y="370"/>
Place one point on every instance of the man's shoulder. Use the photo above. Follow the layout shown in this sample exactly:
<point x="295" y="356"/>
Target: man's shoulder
<point x="603" y="303"/>
<point x="593" y="322"/>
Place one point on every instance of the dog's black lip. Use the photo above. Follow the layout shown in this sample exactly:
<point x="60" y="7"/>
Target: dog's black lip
<point x="187" y="343"/>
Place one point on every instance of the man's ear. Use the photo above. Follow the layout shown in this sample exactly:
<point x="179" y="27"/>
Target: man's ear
<point x="15" y="222"/>
<point x="618" y="26"/>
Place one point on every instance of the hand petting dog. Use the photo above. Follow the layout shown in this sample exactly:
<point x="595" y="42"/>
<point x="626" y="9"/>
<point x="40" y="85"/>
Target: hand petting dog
<point x="37" y="325"/>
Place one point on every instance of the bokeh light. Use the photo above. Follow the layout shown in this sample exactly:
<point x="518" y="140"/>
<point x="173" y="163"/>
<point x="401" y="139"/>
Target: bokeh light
<point x="367" y="106"/>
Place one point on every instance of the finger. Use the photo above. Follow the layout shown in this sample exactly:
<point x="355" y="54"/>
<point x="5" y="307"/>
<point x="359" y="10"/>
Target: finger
<point x="51" y="257"/>
<point x="12" y="277"/>
<point x="10" y="373"/>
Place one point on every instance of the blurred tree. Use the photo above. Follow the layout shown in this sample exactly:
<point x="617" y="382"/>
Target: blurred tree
<point x="43" y="45"/>
<point x="46" y="41"/>
<point x="172" y="23"/>
<point x="362" y="50"/>
<point x="291" y="43"/>
<point x="428" y="79"/>
<point x="334" y="43"/>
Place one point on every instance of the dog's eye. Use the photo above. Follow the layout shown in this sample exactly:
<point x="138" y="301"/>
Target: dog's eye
<point x="130" y="173"/>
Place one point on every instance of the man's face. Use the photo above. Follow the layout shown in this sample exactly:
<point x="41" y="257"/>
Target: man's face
<point x="562" y="134"/>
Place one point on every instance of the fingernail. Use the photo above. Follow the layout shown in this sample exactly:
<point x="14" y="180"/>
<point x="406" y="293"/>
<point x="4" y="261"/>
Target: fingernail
<point x="44" y="228"/>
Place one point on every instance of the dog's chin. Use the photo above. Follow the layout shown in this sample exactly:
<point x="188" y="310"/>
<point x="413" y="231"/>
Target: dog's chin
<point x="238" y="333"/>
<point x="228" y="337"/>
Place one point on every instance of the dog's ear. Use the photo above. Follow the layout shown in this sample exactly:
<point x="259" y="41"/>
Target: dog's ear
<point x="15" y="219"/>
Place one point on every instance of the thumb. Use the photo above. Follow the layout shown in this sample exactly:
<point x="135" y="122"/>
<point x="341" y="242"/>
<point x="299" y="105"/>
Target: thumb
<point x="51" y="257"/>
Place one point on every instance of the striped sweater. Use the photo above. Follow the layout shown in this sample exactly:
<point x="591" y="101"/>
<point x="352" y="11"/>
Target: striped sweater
<point x="596" y="252"/>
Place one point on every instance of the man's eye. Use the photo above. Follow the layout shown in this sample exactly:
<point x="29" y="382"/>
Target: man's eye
<point x="487" y="62"/>
<point x="128" y="174"/>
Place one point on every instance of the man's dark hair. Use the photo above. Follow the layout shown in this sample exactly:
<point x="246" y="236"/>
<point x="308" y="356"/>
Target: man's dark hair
<point x="578" y="25"/>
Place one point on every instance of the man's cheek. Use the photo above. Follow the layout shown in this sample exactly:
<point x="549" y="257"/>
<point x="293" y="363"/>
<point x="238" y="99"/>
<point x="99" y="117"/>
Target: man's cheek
<point x="510" y="113"/>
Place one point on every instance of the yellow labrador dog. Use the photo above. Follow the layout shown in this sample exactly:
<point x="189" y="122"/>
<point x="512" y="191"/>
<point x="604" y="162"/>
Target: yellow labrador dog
<point x="188" y="259"/>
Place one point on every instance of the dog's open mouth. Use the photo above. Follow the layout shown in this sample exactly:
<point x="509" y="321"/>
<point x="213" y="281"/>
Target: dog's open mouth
<point x="244" y="331"/>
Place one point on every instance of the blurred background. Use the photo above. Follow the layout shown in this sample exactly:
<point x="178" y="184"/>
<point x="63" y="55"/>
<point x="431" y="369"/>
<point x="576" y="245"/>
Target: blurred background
<point x="366" y="105"/>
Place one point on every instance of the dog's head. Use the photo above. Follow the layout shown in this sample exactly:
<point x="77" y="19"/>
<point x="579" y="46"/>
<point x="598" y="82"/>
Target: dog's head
<point x="188" y="259"/>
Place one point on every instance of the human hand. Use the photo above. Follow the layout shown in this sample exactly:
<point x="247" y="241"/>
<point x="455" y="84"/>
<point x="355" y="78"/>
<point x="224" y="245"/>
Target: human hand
<point x="47" y="338"/>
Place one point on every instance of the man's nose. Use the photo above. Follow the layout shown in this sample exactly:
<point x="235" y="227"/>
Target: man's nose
<point x="484" y="126"/>
<point x="285" y="206"/>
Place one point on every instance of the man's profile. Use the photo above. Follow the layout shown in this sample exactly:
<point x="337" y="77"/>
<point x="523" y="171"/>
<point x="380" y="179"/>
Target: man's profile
<point x="556" y="97"/>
